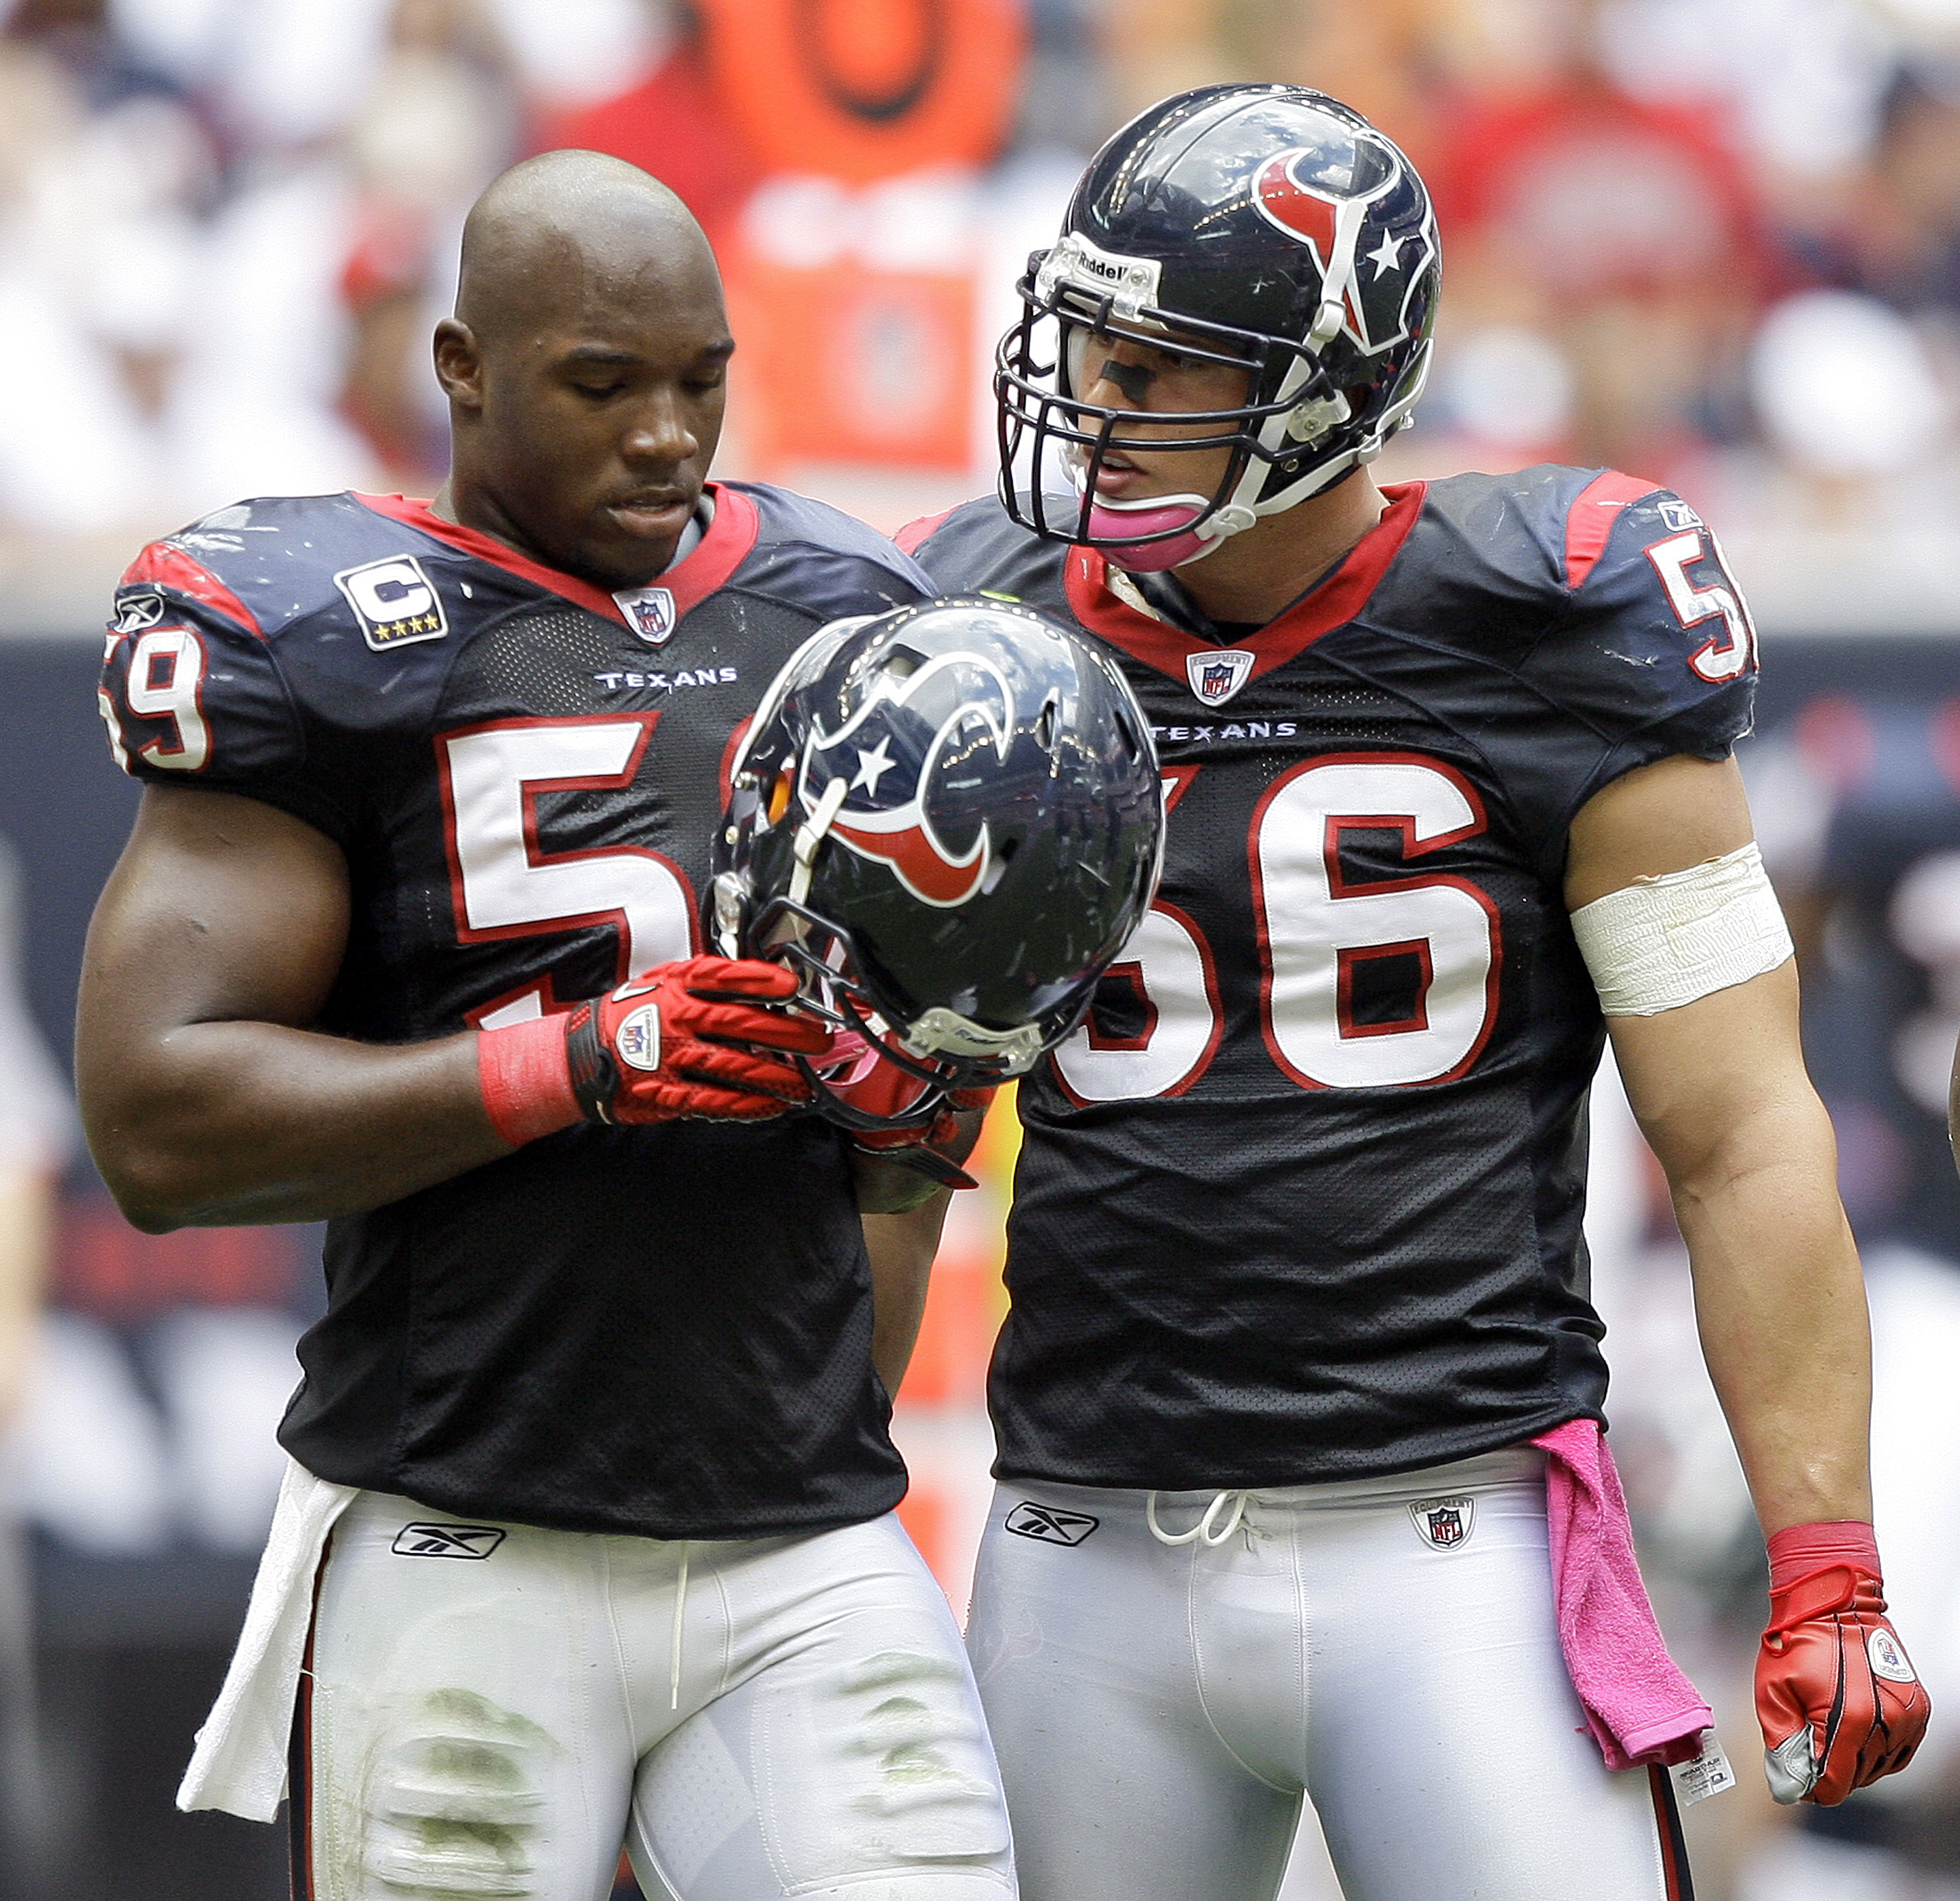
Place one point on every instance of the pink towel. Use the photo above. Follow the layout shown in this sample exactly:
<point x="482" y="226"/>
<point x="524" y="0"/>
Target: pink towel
<point x="1638" y="1706"/>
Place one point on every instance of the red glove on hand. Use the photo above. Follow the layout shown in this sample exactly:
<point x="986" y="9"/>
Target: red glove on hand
<point x="1839" y="1701"/>
<point x="672" y="1043"/>
<point x="880" y="1088"/>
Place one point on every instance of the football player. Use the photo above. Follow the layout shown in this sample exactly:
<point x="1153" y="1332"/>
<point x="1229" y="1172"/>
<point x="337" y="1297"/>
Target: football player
<point x="590" y="1433"/>
<point x="1299" y="1399"/>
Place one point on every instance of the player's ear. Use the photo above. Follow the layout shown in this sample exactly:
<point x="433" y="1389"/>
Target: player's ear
<point x="458" y="363"/>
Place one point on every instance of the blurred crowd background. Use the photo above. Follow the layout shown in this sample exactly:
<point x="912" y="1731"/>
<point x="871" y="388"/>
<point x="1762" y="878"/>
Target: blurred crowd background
<point x="1716" y="242"/>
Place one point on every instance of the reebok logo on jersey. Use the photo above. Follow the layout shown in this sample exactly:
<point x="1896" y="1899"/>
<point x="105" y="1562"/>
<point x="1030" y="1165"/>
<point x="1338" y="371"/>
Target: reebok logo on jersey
<point x="1218" y="673"/>
<point x="1051" y="1527"/>
<point x="394" y="601"/>
<point x="135" y="612"/>
<point x="649" y="612"/>
<point x="1444" y="1524"/>
<point x="446" y="1541"/>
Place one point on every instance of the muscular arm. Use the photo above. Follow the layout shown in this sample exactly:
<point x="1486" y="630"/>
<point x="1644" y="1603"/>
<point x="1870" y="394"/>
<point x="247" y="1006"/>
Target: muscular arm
<point x="902" y="1234"/>
<point x="206" y="1097"/>
<point x="1720" y="1091"/>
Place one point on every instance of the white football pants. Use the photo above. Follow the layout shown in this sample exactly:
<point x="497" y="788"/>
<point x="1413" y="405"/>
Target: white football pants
<point x="494" y="1709"/>
<point x="1159" y="1711"/>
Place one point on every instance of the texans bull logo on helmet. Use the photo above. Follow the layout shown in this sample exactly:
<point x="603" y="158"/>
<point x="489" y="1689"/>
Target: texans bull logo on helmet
<point x="1327" y="206"/>
<point x="900" y="756"/>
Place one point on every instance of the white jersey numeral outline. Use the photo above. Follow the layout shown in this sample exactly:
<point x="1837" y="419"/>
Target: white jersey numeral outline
<point x="1315" y="928"/>
<point x="1734" y="653"/>
<point x="505" y="884"/>
<point x="166" y="681"/>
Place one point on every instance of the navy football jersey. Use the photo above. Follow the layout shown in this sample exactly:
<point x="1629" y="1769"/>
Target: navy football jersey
<point x="1301" y="1198"/>
<point x="661" y="1331"/>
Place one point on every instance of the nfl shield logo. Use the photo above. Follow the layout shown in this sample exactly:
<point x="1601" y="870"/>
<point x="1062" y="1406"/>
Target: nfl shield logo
<point x="1888" y="1659"/>
<point x="638" y="1038"/>
<point x="1443" y="1523"/>
<point x="649" y="612"/>
<point x="1215" y="676"/>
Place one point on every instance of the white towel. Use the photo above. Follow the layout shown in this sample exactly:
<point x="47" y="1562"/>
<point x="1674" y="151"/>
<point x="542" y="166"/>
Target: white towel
<point x="239" y="1762"/>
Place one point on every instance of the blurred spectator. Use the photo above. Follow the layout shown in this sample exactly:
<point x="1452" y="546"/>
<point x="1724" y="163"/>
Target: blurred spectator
<point x="438" y="121"/>
<point x="666" y="120"/>
<point x="1611" y="243"/>
<point x="101" y="167"/>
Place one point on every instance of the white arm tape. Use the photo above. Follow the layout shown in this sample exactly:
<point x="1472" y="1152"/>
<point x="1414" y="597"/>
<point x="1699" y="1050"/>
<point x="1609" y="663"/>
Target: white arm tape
<point x="1663" y="942"/>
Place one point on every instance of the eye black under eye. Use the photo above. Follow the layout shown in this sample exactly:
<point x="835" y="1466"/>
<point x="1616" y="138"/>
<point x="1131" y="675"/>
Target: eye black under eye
<point x="1133" y="379"/>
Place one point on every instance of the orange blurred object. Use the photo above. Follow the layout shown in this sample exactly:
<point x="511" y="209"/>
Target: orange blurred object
<point x="844" y="363"/>
<point x="963" y="1313"/>
<point x="923" y="1512"/>
<point x="673" y="124"/>
<point x="865" y="90"/>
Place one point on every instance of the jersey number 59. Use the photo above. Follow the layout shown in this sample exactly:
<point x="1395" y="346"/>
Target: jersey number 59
<point x="1318" y="934"/>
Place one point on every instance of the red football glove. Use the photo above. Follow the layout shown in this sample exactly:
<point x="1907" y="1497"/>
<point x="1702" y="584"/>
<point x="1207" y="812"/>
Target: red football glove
<point x="880" y="1088"/>
<point x="1839" y="1701"/>
<point x="693" y="1038"/>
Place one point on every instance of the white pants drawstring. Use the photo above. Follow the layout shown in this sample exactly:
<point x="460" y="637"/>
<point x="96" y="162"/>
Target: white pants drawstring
<point x="680" y="1613"/>
<point x="1207" y="1531"/>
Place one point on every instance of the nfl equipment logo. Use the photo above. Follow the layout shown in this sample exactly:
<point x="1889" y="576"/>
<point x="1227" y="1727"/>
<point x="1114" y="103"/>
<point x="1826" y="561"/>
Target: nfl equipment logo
<point x="649" y="612"/>
<point x="1889" y="1659"/>
<point x="638" y="1038"/>
<point x="1216" y="675"/>
<point x="1444" y="1524"/>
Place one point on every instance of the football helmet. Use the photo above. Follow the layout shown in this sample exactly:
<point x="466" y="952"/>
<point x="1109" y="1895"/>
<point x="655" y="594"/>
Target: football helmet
<point x="1264" y="228"/>
<point x="948" y="819"/>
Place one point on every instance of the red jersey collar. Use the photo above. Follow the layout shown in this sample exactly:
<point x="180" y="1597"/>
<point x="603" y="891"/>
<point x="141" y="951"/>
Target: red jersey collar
<point x="716" y="556"/>
<point x="1334" y="603"/>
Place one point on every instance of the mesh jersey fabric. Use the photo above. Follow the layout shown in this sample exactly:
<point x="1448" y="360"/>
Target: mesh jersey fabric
<point x="664" y="1331"/>
<point x="1302" y="1198"/>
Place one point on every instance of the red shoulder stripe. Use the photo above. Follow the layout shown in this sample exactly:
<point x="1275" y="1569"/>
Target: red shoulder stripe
<point x="910" y="537"/>
<point x="730" y="537"/>
<point x="1590" y="520"/>
<point x="1334" y="603"/>
<point x="168" y="567"/>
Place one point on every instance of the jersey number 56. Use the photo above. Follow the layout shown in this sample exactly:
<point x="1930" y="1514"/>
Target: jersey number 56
<point x="1317" y="933"/>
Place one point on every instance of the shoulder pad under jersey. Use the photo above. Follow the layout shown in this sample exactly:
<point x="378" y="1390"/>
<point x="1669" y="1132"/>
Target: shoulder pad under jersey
<point x="812" y="556"/>
<point x="979" y="547"/>
<point x="198" y="685"/>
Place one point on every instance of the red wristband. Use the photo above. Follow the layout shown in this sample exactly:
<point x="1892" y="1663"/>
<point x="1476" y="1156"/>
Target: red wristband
<point x="1798" y="1551"/>
<point x="527" y="1079"/>
<point x="1817" y="1569"/>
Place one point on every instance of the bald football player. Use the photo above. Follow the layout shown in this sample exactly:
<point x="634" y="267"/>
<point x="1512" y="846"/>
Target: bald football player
<point x="588" y="1532"/>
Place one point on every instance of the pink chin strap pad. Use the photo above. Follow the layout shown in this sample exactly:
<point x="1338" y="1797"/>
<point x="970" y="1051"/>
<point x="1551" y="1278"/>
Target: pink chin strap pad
<point x="1109" y="525"/>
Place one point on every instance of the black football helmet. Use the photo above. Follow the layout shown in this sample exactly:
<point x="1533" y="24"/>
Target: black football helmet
<point x="1267" y="228"/>
<point x="948" y="819"/>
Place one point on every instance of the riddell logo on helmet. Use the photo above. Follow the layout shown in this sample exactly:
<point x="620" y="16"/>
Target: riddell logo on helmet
<point x="1133" y="281"/>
